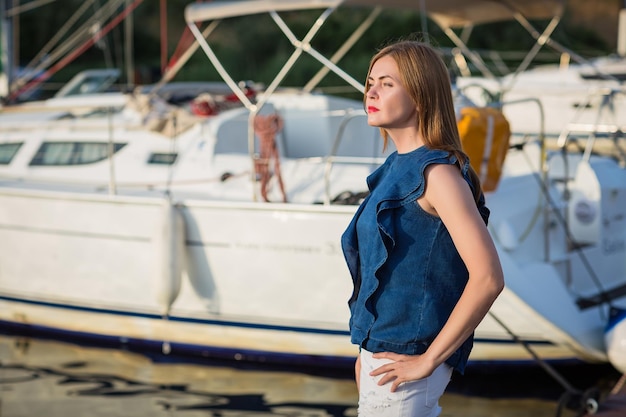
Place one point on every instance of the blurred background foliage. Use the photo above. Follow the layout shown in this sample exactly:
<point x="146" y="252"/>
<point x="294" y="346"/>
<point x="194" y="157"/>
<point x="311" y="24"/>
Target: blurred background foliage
<point x="252" y="48"/>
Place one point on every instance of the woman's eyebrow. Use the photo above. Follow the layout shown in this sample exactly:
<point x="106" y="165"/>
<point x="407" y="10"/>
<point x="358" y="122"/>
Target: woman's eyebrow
<point x="380" y="77"/>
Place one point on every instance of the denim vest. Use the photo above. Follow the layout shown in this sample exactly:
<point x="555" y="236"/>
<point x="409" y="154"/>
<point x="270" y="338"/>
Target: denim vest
<point x="407" y="273"/>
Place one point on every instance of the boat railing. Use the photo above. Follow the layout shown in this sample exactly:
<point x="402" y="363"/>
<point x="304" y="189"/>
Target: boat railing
<point x="333" y="158"/>
<point x="604" y="134"/>
<point x="545" y="204"/>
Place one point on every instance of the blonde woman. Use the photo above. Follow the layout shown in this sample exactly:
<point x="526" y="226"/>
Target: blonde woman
<point x="424" y="267"/>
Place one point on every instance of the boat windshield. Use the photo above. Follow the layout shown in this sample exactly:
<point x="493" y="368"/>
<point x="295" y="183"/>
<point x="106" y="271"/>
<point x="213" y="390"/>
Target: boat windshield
<point x="89" y="82"/>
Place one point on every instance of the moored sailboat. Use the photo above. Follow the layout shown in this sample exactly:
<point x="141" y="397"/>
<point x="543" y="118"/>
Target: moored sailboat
<point x="124" y="217"/>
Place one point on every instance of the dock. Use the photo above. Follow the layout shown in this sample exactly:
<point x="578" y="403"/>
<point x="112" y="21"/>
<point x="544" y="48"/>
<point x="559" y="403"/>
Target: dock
<point x="614" y="405"/>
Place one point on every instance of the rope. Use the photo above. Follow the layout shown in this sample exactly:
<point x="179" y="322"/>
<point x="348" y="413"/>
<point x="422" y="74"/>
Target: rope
<point x="266" y="128"/>
<point x="572" y="398"/>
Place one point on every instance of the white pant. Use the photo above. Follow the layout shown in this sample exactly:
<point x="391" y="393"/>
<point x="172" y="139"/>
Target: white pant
<point x="411" y="399"/>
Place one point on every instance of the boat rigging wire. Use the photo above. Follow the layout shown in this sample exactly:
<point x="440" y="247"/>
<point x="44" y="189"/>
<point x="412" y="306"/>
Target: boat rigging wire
<point x="588" y="399"/>
<point x="46" y="56"/>
<point x="111" y="151"/>
<point x="570" y="240"/>
<point x="19" y="9"/>
<point x="78" y="51"/>
<point x="179" y="60"/>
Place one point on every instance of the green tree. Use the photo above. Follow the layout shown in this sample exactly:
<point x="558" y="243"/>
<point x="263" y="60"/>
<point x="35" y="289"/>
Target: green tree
<point x="251" y="46"/>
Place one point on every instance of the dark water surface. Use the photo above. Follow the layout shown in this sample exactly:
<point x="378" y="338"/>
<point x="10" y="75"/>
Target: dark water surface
<point x="54" y="379"/>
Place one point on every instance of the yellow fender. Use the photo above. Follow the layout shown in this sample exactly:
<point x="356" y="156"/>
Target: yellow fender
<point x="485" y="134"/>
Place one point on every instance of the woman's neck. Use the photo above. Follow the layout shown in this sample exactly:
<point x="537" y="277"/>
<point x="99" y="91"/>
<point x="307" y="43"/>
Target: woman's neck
<point x="406" y="140"/>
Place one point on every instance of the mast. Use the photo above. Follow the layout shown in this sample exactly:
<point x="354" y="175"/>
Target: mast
<point x="6" y="56"/>
<point x="129" y="51"/>
<point x="621" y="32"/>
<point x="163" y="13"/>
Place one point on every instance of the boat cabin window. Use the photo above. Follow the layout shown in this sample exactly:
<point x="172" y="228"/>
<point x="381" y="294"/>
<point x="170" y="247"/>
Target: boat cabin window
<point x="162" y="158"/>
<point x="8" y="151"/>
<point x="72" y="153"/>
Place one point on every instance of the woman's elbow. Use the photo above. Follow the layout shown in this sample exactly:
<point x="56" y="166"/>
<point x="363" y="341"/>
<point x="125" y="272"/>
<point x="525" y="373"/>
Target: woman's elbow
<point x="492" y="282"/>
<point x="497" y="283"/>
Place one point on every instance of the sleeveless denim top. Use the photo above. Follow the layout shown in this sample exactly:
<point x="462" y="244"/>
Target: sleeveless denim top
<point x="407" y="273"/>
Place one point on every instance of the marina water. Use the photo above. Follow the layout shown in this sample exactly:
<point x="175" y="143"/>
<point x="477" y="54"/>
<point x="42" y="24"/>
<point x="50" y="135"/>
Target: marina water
<point x="54" y="379"/>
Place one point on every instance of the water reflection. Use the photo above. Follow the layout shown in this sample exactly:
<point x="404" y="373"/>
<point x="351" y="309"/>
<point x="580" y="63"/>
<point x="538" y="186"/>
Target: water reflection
<point x="52" y="379"/>
<point x="64" y="386"/>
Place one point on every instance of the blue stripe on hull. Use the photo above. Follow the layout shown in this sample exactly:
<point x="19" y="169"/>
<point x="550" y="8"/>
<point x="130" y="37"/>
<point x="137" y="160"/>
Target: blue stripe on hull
<point x="176" y="318"/>
<point x="154" y="348"/>
<point x="616" y="316"/>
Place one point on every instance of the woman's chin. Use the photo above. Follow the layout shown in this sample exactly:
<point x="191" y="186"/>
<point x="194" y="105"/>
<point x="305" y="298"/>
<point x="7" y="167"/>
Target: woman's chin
<point x="373" y="122"/>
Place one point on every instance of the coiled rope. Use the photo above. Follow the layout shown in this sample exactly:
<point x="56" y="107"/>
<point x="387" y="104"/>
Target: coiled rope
<point x="266" y="128"/>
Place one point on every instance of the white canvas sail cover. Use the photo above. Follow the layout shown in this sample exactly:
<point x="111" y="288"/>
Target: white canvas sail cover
<point x="447" y="13"/>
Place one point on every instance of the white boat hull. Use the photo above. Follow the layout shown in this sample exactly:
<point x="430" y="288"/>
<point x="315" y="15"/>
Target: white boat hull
<point x="260" y="281"/>
<point x="129" y="219"/>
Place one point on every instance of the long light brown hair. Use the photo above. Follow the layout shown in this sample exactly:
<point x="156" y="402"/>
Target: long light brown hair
<point x="425" y="77"/>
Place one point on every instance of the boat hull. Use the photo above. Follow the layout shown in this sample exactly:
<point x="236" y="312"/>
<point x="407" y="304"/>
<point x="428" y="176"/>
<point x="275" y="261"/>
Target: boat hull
<point x="219" y="338"/>
<point x="260" y="281"/>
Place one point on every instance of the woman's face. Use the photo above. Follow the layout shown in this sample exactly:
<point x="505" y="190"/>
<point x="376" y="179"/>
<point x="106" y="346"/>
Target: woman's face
<point x="387" y="102"/>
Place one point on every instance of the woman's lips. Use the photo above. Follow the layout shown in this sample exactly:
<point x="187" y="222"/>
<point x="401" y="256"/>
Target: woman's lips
<point x="372" y="109"/>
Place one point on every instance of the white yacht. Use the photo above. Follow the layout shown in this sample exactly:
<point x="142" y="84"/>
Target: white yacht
<point x="213" y="226"/>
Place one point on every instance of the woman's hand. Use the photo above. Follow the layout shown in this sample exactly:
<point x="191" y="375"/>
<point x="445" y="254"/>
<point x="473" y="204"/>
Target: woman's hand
<point x="404" y="368"/>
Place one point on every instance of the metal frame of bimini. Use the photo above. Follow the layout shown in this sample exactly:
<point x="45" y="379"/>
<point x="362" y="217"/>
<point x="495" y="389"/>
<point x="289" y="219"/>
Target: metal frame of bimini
<point x="448" y="14"/>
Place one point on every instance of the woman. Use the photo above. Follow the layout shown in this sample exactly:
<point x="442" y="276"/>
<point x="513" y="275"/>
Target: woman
<point x="424" y="267"/>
